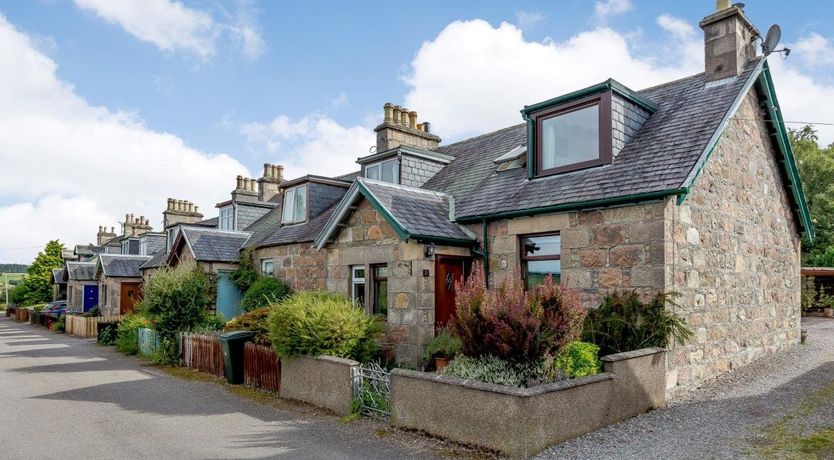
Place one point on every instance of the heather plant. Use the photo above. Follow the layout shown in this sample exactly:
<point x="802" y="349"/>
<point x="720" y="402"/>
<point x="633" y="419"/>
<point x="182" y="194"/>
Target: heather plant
<point x="512" y="324"/>
<point x="624" y="322"/>
<point x="490" y="369"/>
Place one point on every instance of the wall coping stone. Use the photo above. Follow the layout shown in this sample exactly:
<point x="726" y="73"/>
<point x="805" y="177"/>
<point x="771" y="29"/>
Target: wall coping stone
<point x="503" y="389"/>
<point x="613" y="358"/>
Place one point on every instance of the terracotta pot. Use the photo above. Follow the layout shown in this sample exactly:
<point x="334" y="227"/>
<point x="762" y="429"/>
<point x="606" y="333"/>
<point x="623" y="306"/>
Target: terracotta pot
<point x="440" y="363"/>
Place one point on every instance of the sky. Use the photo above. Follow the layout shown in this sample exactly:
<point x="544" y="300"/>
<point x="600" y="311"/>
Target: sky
<point x="109" y="107"/>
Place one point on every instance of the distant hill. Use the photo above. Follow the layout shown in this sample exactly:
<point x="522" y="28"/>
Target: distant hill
<point x="13" y="268"/>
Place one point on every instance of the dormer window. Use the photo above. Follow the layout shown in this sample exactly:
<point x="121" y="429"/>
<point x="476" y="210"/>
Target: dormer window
<point x="574" y="135"/>
<point x="227" y="218"/>
<point x="385" y="171"/>
<point x="295" y="205"/>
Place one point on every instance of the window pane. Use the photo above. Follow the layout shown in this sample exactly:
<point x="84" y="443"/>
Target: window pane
<point x="537" y="270"/>
<point x="542" y="245"/>
<point x="381" y="297"/>
<point x="372" y="172"/>
<point x="359" y="273"/>
<point x="381" y="271"/>
<point x="570" y="138"/>
<point x="289" y="201"/>
<point x="389" y="171"/>
<point x="300" y="211"/>
<point x="359" y="293"/>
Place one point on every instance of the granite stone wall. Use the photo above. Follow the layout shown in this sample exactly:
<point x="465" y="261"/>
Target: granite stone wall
<point x="299" y="265"/>
<point x="734" y="257"/>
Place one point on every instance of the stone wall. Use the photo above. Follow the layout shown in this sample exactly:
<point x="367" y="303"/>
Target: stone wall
<point x="734" y="257"/>
<point x="109" y="295"/>
<point x="602" y="251"/>
<point x="299" y="265"/>
<point x="368" y="239"/>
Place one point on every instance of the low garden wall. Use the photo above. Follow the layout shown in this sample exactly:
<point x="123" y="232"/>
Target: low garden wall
<point x="521" y="422"/>
<point x="323" y="381"/>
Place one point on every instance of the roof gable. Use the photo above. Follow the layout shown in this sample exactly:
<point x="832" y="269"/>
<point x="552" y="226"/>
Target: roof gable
<point x="120" y="266"/>
<point x="413" y="213"/>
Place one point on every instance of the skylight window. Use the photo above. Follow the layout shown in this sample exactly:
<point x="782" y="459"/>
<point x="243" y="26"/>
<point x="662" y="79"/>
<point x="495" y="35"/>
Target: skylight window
<point x="386" y="171"/>
<point x="295" y="205"/>
<point x="574" y="135"/>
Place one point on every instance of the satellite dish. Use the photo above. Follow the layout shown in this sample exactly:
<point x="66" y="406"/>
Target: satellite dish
<point x="772" y="39"/>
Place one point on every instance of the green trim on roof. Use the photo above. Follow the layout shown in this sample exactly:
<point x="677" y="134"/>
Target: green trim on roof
<point x="578" y="205"/>
<point x="395" y="224"/>
<point x="607" y="85"/>
<point x="781" y="134"/>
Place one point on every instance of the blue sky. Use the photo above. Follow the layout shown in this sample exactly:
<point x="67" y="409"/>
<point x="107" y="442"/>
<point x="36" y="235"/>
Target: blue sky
<point x="219" y="88"/>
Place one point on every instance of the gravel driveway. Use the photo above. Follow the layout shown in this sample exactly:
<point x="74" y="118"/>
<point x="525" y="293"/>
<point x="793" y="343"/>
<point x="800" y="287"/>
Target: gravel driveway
<point x="778" y="407"/>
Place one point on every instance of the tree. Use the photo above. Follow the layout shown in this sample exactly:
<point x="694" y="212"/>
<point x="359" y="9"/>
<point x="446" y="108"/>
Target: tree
<point x="36" y="283"/>
<point x="816" y="171"/>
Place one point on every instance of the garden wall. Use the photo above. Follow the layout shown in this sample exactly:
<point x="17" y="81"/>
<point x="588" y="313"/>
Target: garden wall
<point x="323" y="381"/>
<point x="521" y="422"/>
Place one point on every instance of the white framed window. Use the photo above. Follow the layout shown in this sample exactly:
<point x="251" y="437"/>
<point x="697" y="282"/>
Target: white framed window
<point x="143" y="246"/>
<point x="126" y="247"/>
<point x="386" y="171"/>
<point x="357" y="284"/>
<point x="267" y="267"/>
<point x="172" y="236"/>
<point x="227" y="218"/>
<point x="295" y="205"/>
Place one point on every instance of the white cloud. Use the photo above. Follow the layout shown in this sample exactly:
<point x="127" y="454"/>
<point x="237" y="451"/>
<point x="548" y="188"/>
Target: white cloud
<point x="474" y="77"/>
<point x="171" y="26"/>
<point x="676" y="26"/>
<point x="313" y="144"/>
<point x="341" y="100"/>
<point x="609" y="8"/>
<point x="69" y="166"/>
<point x="167" y="24"/>
<point x="528" y="19"/>
<point x="814" y="49"/>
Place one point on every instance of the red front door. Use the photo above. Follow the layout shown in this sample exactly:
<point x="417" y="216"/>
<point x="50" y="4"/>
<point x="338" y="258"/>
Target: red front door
<point x="448" y="271"/>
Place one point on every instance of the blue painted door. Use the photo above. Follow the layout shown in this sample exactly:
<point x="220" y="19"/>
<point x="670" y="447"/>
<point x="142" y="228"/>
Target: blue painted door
<point x="228" y="296"/>
<point x="90" y="297"/>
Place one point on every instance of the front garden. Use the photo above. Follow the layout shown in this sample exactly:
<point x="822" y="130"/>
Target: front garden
<point x="534" y="366"/>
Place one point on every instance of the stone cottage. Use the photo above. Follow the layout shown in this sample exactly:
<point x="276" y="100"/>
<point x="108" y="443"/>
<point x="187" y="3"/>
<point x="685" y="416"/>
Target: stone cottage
<point x="689" y="186"/>
<point x="119" y="282"/>
<point x="82" y="286"/>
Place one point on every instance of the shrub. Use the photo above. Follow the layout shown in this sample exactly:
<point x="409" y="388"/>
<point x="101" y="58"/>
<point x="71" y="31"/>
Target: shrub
<point x="320" y="323"/>
<point x="108" y="334"/>
<point x="246" y="275"/>
<point x="175" y="299"/>
<point x="490" y="369"/>
<point x="624" y="323"/>
<point x="209" y="323"/>
<point x="578" y="359"/>
<point x="60" y="325"/>
<point x="255" y="321"/>
<point x="127" y="336"/>
<point x="444" y="345"/>
<point x="265" y="291"/>
<point x="508" y="323"/>
<point x="92" y="313"/>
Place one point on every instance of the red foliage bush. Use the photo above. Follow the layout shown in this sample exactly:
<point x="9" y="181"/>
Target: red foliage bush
<point x="511" y="324"/>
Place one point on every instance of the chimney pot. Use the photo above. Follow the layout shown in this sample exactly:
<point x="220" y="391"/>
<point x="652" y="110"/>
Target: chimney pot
<point x="279" y="172"/>
<point x="388" y="111"/>
<point x="267" y="170"/>
<point x="196" y="209"/>
<point x="426" y="127"/>
<point x="397" y="110"/>
<point x="722" y="5"/>
<point x="239" y="183"/>
<point x="404" y="117"/>
<point x="412" y="119"/>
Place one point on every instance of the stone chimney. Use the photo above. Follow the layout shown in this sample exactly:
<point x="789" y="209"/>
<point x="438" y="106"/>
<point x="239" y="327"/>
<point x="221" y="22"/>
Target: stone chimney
<point x="729" y="41"/>
<point x="245" y="190"/>
<point x="269" y="185"/>
<point x="103" y="235"/>
<point x="399" y="127"/>
<point x="180" y="212"/>
<point x="135" y="226"/>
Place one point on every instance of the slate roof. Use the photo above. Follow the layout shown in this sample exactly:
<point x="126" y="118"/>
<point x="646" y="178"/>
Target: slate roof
<point x="81" y="271"/>
<point x="211" y="245"/>
<point x="412" y="212"/>
<point x="660" y="157"/>
<point x="267" y="231"/>
<point x="157" y="260"/>
<point x="59" y="275"/>
<point x="121" y="266"/>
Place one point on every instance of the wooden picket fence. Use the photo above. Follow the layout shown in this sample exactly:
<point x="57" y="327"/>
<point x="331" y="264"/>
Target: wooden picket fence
<point x="22" y="314"/>
<point x="203" y="353"/>
<point x="261" y="367"/>
<point x="81" y="326"/>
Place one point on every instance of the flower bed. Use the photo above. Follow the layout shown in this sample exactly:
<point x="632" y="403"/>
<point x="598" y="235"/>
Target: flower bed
<point x="521" y="422"/>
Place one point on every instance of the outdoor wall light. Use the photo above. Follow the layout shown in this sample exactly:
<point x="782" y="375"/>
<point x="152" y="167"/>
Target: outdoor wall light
<point x="429" y="250"/>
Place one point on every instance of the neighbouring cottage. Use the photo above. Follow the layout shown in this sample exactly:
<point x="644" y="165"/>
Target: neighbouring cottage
<point x="82" y="286"/>
<point x="119" y="282"/>
<point x="688" y="186"/>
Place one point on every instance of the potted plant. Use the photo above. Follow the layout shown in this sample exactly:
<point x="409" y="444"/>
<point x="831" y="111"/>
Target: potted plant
<point x="442" y="348"/>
